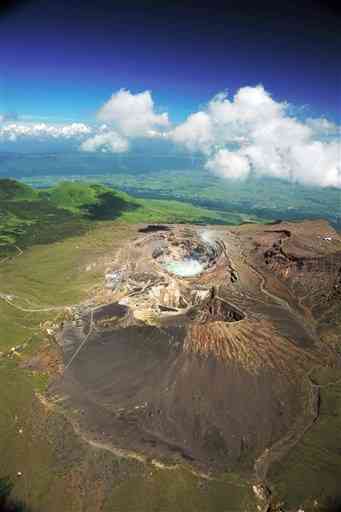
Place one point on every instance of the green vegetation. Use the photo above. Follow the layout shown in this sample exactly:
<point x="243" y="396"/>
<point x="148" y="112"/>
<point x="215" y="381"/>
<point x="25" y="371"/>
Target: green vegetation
<point x="180" y="178"/>
<point x="72" y="195"/>
<point x="181" y="492"/>
<point x="51" y="275"/>
<point x="14" y="190"/>
<point x="309" y="474"/>
<point x="42" y="446"/>
<point x="161" y="210"/>
<point x="29" y="216"/>
<point x="26" y="217"/>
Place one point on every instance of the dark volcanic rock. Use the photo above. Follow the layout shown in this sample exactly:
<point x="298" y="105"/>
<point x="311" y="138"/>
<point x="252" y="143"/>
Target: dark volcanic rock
<point x="153" y="228"/>
<point x="225" y="382"/>
<point x="142" y="391"/>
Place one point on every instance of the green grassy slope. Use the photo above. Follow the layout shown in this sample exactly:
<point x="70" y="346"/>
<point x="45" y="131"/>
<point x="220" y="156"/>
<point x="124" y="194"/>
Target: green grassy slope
<point x="29" y="216"/>
<point x="264" y="197"/>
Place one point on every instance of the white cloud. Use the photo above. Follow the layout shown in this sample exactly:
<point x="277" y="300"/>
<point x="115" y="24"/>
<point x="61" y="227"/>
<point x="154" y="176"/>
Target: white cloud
<point x="227" y="122"/>
<point x="126" y="116"/>
<point x="229" y="164"/>
<point x="106" y="142"/>
<point x="249" y="133"/>
<point x="196" y="133"/>
<point x="253" y="132"/>
<point x="132" y="115"/>
<point x="90" y="138"/>
<point x="322" y="127"/>
<point x="14" y="131"/>
<point x="317" y="163"/>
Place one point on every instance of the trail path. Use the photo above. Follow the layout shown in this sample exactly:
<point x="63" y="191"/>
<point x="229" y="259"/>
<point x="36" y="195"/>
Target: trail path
<point x="9" y="298"/>
<point x="87" y="336"/>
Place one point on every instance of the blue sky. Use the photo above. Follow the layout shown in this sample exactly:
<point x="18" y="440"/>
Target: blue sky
<point x="62" y="60"/>
<point x="253" y="87"/>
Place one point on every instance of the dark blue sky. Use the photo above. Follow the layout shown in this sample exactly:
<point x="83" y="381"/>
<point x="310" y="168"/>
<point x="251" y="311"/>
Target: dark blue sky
<point x="62" y="60"/>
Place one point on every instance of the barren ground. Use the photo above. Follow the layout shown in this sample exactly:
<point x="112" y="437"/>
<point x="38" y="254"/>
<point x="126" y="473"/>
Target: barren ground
<point x="211" y="371"/>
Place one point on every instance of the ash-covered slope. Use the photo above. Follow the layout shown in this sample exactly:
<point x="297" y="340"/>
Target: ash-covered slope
<point x="213" y="368"/>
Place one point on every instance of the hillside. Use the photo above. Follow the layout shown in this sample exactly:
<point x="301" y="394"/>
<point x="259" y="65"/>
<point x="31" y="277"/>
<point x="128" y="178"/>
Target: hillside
<point x="181" y="178"/>
<point x="33" y="216"/>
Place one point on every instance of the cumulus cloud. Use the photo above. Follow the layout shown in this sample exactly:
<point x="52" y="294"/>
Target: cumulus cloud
<point x="133" y="115"/>
<point x="248" y="133"/>
<point x="196" y="133"/>
<point x="109" y="141"/>
<point x="323" y="128"/>
<point x="14" y="131"/>
<point x="88" y="138"/>
<point x="126" y="116"/>
<point x="254" y="133"/>
<point x="227" y="122"/>
<point x="229" y="164"/>
<point x="317" y="163"/>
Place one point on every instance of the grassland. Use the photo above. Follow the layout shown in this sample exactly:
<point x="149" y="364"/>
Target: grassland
<point x="29" y="216"/>
<point x="309" y="475"/>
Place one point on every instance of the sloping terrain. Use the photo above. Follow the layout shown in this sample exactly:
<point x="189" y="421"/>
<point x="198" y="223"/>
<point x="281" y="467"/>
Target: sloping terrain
<point x="214" y="369"/>
<point x="167" y="391"/>
<point x="42" y="216"/>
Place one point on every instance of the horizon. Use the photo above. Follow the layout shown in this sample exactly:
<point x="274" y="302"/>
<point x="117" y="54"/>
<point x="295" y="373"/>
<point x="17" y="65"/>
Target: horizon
<point x="203" y="80"/>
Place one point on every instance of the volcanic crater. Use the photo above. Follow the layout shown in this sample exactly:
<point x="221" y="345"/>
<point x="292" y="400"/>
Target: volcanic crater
<point x="209" y="366"/>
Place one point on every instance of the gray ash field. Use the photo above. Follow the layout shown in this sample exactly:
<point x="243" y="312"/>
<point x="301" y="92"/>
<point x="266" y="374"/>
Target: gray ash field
<point x="212" y="370"/>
